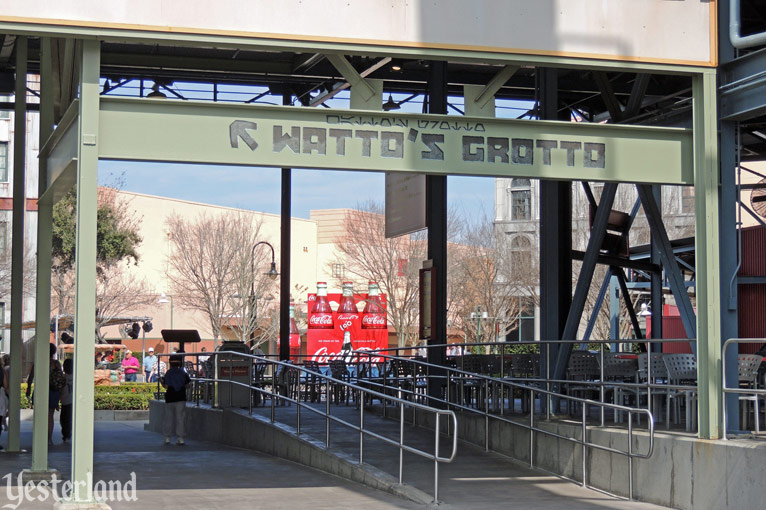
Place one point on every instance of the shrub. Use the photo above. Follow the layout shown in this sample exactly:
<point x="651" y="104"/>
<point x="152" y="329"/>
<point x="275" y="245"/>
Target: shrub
<point x="126" y="401"/>
<point x="129" y="396"/>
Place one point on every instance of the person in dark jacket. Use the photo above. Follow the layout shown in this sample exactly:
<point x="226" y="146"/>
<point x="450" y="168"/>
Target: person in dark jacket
<point x="175" y="382"/>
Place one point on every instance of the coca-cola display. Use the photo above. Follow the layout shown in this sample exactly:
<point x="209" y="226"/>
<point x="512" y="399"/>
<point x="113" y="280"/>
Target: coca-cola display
<point x="374" y="315"/>
<point x="321" y="313"/>
<point x="324" y="344"/>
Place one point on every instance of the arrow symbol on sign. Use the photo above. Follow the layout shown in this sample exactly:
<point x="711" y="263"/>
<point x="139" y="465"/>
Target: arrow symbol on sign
<point x="238" y="129"/>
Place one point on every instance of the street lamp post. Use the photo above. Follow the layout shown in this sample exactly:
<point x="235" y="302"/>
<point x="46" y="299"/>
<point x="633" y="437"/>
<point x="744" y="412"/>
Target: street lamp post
<point x="164" y="299"/>
<point x="272" y="274"/>
<point x="479" y="316"/>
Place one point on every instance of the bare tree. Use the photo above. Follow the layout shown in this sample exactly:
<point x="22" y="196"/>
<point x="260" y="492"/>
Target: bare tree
<point x="215" y="268"/>
<point x="394" y="263"/>
<point x="491" y="273"/>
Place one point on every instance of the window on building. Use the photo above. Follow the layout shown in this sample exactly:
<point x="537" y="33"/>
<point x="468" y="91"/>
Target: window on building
<point x="687" y="199"/>
<point x="521" y="254"/>
<point x="3" y="161"/>
<point x="5" y="114"/>
<point x="521" y="199"/>
<point x="524" y="324"/>
<point x="338" y="271"/>
<point x="3" y="237"/>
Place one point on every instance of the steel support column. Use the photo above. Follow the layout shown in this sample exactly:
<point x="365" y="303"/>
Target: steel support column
<point x="729" y="232"/>
<point x="655" y="292"/>
<point x="668" y="258"/>
<point x="85" y="275"/>
<point x="284" y="256"/>
<point x="555" y="234"/>
<point x="707" y="243"/>
<point x="44" y="242"/>
<point x="436" y="219"/>
<point x="597" y="234"/>
<point x="17" y="245"/>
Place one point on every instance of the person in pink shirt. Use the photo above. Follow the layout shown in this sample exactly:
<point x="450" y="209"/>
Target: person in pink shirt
<point x="130" y="365"/>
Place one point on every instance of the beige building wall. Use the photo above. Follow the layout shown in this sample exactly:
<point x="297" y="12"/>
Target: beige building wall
<point x="152" y="213"/>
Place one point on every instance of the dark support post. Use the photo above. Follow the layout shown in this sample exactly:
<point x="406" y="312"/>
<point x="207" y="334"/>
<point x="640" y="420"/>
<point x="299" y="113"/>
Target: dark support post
<point x="628" y="303"/>
<point x="655" y="297"/>
<point x="585" y="278"/>
<point x="284" y="255"/>
<point x="728" y="235"/>
<point x="675" y="279"/>
<point x="555" y="233"/>
<point x="436" y="218"/>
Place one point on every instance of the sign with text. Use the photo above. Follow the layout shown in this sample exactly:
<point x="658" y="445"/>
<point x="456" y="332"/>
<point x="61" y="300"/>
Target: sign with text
<point x="273" y="136"/>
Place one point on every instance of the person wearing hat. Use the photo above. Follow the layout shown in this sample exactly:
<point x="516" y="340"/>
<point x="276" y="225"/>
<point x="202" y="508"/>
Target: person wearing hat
<point x="150" y="361"/>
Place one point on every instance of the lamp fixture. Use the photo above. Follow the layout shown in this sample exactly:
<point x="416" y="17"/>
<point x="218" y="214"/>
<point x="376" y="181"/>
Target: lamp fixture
<point x="390" y="104"/>
<point x="396" y="68"/>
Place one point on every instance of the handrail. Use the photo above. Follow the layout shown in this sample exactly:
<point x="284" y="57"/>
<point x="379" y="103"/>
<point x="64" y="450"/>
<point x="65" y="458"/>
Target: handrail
<point x="584" y="443"/>
<point x="602" y="384"/>
<point x="738" y="390"/>
<point x="359" y="428"/>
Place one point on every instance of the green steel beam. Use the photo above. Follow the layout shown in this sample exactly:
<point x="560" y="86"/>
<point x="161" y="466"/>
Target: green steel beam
<point x="325" y="47"/>
<point x="85" y="287"/>
<point x="44" y="238"/>
<point x="275" y="136"/>
<point x="17" y="247"/>
<point x="707" y="253"/>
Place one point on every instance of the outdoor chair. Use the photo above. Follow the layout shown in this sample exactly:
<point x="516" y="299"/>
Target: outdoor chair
<point x="286" y="383"/>
<point x="682" y="370"/>
<point x="258" y="382"/>
<point x="583" y="367"/>
<point x="620" y="370"/>
<point x="749" y="365"/>
<point x="469" y="387"/>
<point x="659" y="375"/>
<point x="524" y="366"/>
<point x="312" y="382"/>
<point x="339" y="371"/>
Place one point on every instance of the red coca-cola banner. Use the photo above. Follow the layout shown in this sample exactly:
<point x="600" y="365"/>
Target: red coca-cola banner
<point x="322" y="345"/>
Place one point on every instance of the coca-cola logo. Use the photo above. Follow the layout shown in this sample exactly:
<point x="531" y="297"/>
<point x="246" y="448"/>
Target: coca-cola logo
<point x="323" y="356"/>
<point x="321" y="320"/>
<point x="374" y="321"/>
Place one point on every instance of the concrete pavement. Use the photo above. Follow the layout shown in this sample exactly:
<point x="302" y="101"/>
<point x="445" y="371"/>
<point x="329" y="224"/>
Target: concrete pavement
<point x="212" y="476"/>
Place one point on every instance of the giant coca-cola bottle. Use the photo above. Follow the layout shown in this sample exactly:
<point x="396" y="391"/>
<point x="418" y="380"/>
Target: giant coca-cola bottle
<point x="295" y="337"/>
<point x="374" y="315"/>
<point x="321" y="313"/>
<point x="348" y="316"/>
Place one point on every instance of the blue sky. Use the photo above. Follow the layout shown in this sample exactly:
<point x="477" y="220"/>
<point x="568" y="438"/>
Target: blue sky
<point x="258" y="189"/>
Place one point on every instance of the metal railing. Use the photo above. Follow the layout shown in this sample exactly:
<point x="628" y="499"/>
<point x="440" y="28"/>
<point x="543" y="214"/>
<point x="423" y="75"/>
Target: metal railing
<point x="740" y="391"/>
<point x="361" y="392"/>
<point x="603" y="385"/>
<point x="454" y="374"/>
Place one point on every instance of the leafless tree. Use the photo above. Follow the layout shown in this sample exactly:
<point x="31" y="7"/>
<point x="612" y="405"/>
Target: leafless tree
<point x="215" y="268"/>
<point x="489" y="273"/>
<point x="394" y="263"/>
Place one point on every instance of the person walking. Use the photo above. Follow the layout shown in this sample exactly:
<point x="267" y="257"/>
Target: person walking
<point x="65" y="418"/>
<point x="130" y="365"/>
<point x="56" y="382"/>
<point x="175" y="382"/>
<point x="149" y="363"/>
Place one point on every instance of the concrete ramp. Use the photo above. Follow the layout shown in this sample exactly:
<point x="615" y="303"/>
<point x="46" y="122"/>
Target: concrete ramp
<point x="475" y="479"/>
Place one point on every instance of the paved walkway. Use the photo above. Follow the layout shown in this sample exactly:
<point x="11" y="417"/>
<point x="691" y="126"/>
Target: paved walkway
<point x="211" y="476"/>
